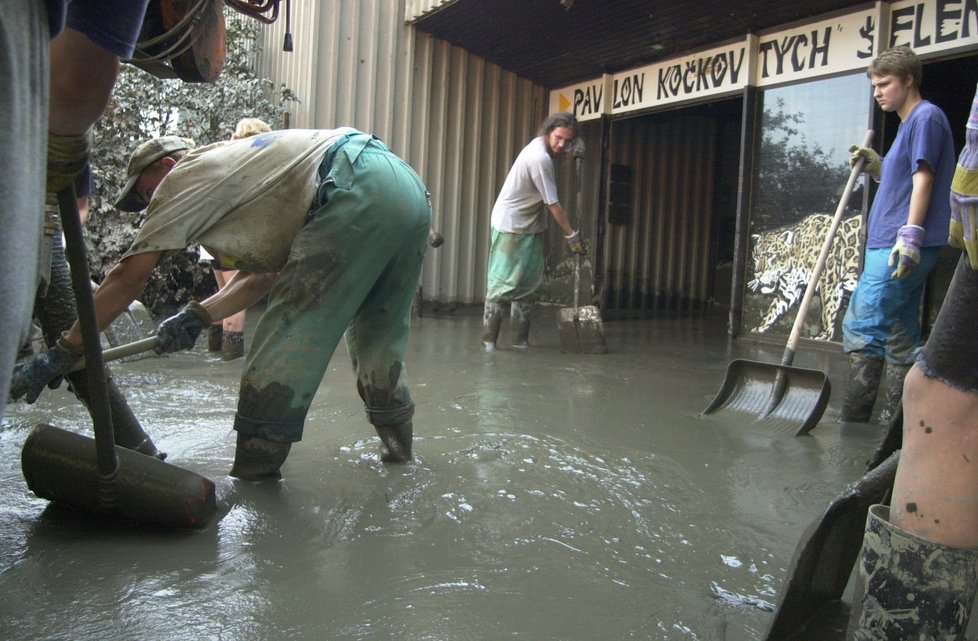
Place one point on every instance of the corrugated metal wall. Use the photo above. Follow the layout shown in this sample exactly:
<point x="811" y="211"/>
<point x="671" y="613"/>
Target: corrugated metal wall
<point x="457" y="119"/>
<point x="658" y="256"/>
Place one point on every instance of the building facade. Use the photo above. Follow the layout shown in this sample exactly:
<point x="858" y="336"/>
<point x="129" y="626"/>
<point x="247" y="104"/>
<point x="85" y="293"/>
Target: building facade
<point x="709" y="178"/>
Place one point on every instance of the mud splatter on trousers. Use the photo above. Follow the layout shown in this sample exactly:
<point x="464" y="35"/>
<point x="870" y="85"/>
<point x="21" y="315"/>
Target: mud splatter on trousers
<point x="352" y="271"/>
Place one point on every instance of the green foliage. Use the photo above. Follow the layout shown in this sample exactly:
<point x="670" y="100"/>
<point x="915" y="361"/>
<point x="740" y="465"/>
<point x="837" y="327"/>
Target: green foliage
<point x="144" y="106"/>
<point x="794" y="179"/>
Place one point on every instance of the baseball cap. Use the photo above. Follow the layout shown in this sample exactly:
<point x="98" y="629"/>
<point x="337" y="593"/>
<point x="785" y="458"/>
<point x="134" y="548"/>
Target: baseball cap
<point x="145" y="155"/>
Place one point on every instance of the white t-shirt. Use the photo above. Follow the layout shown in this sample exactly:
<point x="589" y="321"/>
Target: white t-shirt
<point x="530" y="182"/>
<point x="244" y="200"/>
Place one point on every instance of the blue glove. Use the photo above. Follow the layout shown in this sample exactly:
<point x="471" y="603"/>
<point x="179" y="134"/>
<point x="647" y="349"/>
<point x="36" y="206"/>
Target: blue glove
<point x="576" y="244"/>
<point x="181" y="331"/>
<point x="49" y="368"/>
<point x="906" y="252"/>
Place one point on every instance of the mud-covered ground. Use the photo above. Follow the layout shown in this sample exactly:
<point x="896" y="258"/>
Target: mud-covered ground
<point x="552" y="496"/>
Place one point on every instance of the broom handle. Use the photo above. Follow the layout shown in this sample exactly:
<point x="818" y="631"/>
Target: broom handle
<point x="789" y="351"/>
<point x="129" y="349"/>
<point x="579" y="205"/>
<point x="106" y="461"/>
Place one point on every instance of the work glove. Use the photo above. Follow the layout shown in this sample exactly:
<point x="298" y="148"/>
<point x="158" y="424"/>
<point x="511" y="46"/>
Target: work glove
<point x="49" y="368"/>
<point x="576" y="244"/>
<point x="67" y="157"/>
<point x="181" y="331"/>
<point x="964" y="193"/>
<point x="873" y="164"/>
<point x="435" y="239"/>
<point x="906" y="252"/>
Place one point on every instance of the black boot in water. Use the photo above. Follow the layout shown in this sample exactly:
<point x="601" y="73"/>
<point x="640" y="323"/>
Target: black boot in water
<point x="395" y="442"/>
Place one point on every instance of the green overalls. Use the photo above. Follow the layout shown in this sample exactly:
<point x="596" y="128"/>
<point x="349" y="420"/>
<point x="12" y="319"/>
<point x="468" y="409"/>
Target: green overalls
<point x="353" y="269"/>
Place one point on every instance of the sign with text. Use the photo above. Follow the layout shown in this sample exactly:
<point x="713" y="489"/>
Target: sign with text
<point x="708" y="73"/>
<point x="822" y="48"/>
<point x="818" y="49"/>
<point x="938" y="25"/>
<point x="587" y="101"/>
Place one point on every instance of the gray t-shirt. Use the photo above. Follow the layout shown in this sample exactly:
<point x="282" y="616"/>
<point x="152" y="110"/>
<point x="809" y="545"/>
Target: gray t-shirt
<point x="243" y="200"/>
<point x="529" y="183"/>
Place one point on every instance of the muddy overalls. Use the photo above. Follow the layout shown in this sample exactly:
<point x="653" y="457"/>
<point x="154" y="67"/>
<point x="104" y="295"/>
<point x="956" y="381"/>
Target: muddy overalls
<point x="352" y="270"/>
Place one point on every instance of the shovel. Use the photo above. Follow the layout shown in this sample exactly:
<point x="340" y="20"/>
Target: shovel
<point x="782" y="396"/>
<point x="580" y="328"/>
<point x="96" y="474"/>
<point x="822" y="562"/>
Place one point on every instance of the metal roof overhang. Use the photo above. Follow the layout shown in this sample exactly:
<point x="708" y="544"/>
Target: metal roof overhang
<point x="556" y="43"/>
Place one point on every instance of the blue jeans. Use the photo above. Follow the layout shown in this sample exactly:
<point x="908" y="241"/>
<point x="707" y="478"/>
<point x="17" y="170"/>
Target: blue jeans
<point x="883" y="318"/>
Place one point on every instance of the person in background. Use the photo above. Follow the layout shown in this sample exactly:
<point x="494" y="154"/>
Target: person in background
<point x="227" y="337"/>
<point x="330" y="224"/>
<point x="907" y="227"/>
<point x="518" y="226"/>
<point x="59" y="60"/>
<point x="920" y="555"/>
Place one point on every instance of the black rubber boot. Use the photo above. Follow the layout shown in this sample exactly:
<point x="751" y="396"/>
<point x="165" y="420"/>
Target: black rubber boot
<point x="862" y="384"/>
<point x="395" y="442"/>
<point x="257" y="458"/>
<point x="908" y="587"/>
<point x="519" y="324"/>
<point x="893" y="389"/>
<point x="232" y="345"/>
<point x="215" y="335"/>
<point x="492" y="318"/>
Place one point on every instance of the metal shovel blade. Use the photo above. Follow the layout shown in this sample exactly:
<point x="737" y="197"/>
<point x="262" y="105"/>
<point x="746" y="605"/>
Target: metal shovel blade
<point x="781" y="397"/>
<point x="581" y="330"/>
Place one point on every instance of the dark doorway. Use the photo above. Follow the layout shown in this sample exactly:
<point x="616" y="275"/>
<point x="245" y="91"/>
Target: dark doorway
<point x="670" y="227"/>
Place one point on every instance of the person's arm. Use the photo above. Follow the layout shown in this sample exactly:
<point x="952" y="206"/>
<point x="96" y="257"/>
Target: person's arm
<point x="241" y="292"/>
<point x="557" y="211"/>
<point x="906" y="252"/>
<point x="923" y="185"/>
<point x="119" y="289"/>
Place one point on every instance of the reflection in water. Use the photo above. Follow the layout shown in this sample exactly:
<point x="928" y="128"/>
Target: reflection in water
<point x="552" y="496"/>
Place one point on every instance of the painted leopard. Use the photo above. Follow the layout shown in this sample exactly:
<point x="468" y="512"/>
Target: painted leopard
<point x="785" y="258"/>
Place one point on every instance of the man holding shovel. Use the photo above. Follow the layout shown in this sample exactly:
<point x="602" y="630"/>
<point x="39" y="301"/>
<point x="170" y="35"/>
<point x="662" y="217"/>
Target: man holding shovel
<point x="330" y="223"/>
<point x="518" y="225"/>
<point x="907" y="228"/>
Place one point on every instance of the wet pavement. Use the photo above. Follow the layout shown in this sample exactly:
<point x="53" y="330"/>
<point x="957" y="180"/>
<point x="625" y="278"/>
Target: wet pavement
<point x="552" y="496"/>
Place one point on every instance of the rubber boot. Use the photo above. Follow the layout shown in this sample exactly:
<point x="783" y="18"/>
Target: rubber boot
<point x="395" y="442"/>
<point x="862" y="385"/>
<point x="908" y="587"/>
<point x="257" y="458"/>
<point x="893" y="389"/>
<point x="232" y="345"/>
<point x="215" y="334"/>
<point x="519" y="324"/>
<point x="492" y="318"/>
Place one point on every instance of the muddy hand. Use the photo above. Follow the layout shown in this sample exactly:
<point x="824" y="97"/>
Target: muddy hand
<point x="49" y="368"/>
<point x="906" y="253"/>
<point x="181" y="331"/>
<point x="576" y="244"/>
<point x="67" y="157"/>
<point x="872" y="165"/>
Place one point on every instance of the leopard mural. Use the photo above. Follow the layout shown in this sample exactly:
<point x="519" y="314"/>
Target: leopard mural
<point x="785" y="258"/>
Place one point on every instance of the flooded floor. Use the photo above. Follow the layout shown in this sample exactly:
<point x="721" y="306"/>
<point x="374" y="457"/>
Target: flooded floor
<point x="552" y="496"/>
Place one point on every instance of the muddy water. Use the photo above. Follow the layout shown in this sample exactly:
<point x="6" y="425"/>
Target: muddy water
<point x="552" y="496"/>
